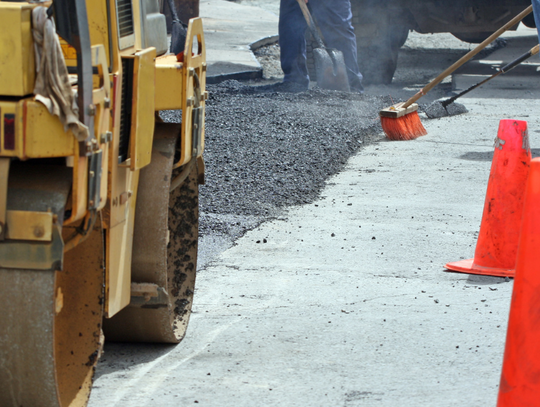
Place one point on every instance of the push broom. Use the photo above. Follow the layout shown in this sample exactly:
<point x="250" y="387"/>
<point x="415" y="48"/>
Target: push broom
<point x="401" y="121"/>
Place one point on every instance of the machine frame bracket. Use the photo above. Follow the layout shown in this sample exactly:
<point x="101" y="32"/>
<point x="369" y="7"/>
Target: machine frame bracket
<point x="147" y="295"/>
<point x="27" y="255"/>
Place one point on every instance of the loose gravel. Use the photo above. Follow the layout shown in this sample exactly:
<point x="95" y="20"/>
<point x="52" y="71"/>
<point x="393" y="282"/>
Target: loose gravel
<point x="267" y="151"/>
<point x="268" y="57"/>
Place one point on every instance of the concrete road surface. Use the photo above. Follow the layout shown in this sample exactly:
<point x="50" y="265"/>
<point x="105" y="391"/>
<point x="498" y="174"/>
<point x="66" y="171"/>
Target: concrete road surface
<point x="345" y="302"/>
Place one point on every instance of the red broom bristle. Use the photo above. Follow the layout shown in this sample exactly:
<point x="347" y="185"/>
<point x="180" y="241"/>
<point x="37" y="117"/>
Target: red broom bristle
<point x="407" y="127"/>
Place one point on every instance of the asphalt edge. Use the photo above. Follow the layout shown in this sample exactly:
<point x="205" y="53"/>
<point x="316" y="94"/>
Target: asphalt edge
<point x="248" y="74"/>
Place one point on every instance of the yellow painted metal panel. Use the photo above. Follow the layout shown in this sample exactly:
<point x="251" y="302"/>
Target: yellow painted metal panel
<point x="120" y="243"/>
<point x="102" y="101"/>
<point x="98" y="25"/>
<point x="99" y="32"/>
<point x="143" y="116"/>
<point x="169" y="83"/>
<point x="17" y="71"/>
<point x="28" y="225"/>
<point x="79" y="191"/>
<point x="195" y="81"/>
<point x="118" y="295"/>
<point x="38" y="134"/>
<point x="44" y="134"/>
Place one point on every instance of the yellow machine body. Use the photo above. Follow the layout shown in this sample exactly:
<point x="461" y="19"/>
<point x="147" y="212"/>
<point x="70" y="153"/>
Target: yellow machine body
<point x="17" y="54"/>
<point x="69" y="209"/>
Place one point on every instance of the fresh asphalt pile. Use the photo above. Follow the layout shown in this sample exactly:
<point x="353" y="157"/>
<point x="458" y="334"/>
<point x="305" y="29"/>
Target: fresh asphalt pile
<point x="268" y="151"/>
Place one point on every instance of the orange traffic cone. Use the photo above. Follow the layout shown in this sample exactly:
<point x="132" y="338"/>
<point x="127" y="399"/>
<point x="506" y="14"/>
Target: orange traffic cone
<point x="520" y="379"/>
<point x="496" y="249"/>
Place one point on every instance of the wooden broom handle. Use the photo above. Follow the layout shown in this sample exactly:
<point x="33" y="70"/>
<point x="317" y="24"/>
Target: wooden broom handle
<point x="467" y="56"/>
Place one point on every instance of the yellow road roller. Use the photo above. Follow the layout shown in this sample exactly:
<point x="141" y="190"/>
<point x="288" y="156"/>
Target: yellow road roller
<point x="98" y="196"/>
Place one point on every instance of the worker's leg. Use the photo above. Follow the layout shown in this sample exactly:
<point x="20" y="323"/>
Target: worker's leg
<point x="335" y="21"/>
<point x="292" y="27"/>
<point x="536" y="9"/>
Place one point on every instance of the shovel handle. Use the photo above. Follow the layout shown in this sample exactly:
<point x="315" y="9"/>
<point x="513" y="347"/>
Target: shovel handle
<point x="172" y="8"/>
<point x="467" y="57"/>
<point x="311" y="23"/>
<point x="533" y="51"/>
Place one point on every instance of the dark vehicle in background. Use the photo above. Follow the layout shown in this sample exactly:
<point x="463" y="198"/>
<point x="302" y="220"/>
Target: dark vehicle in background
<point x="382" y="26"/>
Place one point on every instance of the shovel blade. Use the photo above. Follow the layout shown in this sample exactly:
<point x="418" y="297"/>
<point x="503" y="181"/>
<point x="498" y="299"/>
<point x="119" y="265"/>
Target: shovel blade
<point x="178" y="37"/>
<point x="330" y="69"/>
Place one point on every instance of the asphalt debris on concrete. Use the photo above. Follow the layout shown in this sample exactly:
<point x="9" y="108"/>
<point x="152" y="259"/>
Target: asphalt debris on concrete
<point x="436" y="110"/>
<point x="268" y="57"/>
<point x="265" y="152"/>
<point x="268" y="151"/>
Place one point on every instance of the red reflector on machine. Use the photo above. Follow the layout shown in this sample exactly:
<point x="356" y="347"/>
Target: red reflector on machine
<point x="9" y="132"/>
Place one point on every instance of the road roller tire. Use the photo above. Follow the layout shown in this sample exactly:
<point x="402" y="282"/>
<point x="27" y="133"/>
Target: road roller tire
<point x="52" y="310"/>
<point x="50" y="338"/>
<point x="165" y="246"/>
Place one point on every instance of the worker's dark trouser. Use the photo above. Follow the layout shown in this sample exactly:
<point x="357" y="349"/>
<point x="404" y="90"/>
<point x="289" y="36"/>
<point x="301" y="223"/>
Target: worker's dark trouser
<point x="536" y="10"/>
<point x="334" y="18"/>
